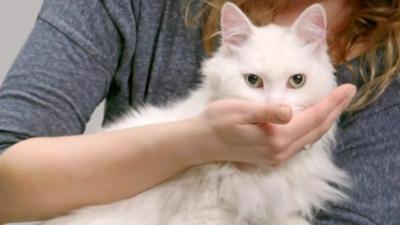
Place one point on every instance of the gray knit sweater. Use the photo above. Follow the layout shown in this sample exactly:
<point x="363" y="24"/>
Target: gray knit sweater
<point x="140" y="51"/>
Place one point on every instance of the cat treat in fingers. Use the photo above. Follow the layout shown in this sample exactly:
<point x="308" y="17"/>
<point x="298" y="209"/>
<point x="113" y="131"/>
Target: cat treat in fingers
<point x="263" y="64"/>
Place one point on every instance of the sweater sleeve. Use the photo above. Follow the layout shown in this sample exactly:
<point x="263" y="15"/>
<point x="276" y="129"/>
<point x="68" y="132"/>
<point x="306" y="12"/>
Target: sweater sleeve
<point x="62" y="73"/>
<point x="369" y="150"/>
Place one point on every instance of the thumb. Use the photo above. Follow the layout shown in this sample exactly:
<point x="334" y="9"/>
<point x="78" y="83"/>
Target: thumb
<point x="269" y="113"/>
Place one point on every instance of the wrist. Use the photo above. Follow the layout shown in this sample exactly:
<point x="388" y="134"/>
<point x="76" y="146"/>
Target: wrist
<point x="196" y="141"/>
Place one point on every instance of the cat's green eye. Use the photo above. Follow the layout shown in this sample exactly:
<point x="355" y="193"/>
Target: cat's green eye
<point x="297" y="80"/>
<point x="253" y="80"/>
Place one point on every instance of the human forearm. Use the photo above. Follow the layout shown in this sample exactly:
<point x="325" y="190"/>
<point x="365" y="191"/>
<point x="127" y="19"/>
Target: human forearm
<point x="41" y="177"/>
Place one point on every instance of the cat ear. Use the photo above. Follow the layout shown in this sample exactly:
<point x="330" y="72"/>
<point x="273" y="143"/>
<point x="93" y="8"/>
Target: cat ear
<point x="235" y="26"/>
<point x="311" y="25"/>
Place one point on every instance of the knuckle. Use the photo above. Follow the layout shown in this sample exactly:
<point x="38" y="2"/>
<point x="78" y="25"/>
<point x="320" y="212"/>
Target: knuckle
<point x="215" y="109"/>
<point x="264" y="116"/>
<point x="323" y="128"/>
<point x="283" y="157"/>
<point x="278" y="160"/>
<point x="266" y="156"/>
<point x="319" y="118"/>
<point x="275" y="163"/>
<point x="318" y="115"/>
<point x="279" y="145"/>
<point x="213" y="106"/>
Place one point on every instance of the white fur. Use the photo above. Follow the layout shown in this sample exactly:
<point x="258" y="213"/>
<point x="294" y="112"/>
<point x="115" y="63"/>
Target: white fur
<point x="220" y="193"/>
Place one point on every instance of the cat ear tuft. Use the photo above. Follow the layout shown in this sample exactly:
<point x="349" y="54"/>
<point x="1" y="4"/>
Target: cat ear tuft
<point x="235" y="26"/>
<point x="311" y="25"/>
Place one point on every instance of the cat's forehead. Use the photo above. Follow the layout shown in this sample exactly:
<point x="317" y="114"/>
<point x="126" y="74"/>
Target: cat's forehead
<point x="275" y="48"/>
<point x="277" y="41"/>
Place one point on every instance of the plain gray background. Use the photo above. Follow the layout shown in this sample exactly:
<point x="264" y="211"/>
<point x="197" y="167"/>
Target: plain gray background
<point x="17" y="18"/>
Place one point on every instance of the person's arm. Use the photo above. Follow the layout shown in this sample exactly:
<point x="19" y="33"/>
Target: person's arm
<point x="62" y="73"/>
<point x="41" y="177"/>
<point x="45" y="176"/>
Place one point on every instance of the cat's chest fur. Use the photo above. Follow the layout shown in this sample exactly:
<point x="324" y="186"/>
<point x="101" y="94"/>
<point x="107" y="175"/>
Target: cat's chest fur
<point x="254" y="195"/>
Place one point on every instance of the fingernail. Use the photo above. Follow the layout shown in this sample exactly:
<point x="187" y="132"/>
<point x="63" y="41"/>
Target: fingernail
<point x="351" y="94"/>
<point x="348" y="102"/>
<point x="349" y="99"/>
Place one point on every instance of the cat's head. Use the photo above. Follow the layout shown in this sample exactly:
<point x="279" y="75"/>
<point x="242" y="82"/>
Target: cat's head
<point x="272" y="63"/>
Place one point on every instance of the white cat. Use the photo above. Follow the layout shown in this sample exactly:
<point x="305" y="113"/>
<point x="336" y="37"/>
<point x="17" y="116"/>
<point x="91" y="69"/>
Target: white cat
<point x="265" y="64"/>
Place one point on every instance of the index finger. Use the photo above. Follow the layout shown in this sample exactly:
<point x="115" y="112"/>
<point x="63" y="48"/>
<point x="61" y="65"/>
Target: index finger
<point x="311" y="118"/>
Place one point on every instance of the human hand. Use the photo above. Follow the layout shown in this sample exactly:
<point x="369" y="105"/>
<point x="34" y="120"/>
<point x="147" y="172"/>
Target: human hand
<point x="266" y="134"/>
